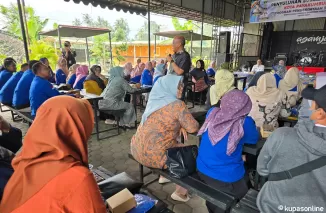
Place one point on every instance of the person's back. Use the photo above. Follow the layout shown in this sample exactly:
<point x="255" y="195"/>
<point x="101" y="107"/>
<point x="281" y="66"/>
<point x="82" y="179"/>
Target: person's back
<point x="288" y="148"/>
<point x="5" y="75"/>
<point x="68" y="191"/>
<point x="7" y="91"/>
<point x="72" y="79"/>
<point x="21" y="93"/>
<point x="146" y="78"/>
<point x="80" y="84"/>
<point x="213" y="160"/>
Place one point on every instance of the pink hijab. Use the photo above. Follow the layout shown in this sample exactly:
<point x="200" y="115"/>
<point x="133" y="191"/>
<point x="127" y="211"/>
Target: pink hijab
<point x="81" y="72"/>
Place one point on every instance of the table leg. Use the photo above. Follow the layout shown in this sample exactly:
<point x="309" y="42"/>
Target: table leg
<point x="96" y="120"/>
<point x="134" y="97"/>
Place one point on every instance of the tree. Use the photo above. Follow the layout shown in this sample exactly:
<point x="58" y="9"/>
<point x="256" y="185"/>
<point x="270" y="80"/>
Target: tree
<point x="142" y="34"/>
<point x="11" y="21"/>
<point x="118" y="50"/>
<point x="88" y="20"/>
<point x="188" y="25"/>
<point x="121" y="30"/>
<point x="77" y="22"/>
<point x="40" y="49"/>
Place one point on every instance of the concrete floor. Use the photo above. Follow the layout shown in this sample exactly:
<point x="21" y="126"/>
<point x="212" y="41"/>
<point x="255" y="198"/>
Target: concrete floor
<point x="112" y="154"/>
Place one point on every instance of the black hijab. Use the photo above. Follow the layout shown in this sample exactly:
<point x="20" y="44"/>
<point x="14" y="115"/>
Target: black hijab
<point x="93" y="77"/>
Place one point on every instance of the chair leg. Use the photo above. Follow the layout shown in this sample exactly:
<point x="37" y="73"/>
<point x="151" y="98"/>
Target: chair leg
<point x="141" y="172"/>
<point x="118" y="124"/>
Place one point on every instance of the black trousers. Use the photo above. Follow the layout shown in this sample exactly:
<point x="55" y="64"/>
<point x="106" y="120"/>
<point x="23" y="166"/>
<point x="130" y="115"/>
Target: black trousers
<point x="12" y="140"/>
<point x="237" y="189"/>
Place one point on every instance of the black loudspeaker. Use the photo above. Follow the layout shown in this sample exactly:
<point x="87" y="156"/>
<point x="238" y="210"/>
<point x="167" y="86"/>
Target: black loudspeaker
<point x="224" y="42"/>
<point x="221" y="58"/>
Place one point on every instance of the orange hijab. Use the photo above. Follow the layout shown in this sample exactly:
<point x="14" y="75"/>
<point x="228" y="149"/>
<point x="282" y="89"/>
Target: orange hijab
<point x="56" y="141"/>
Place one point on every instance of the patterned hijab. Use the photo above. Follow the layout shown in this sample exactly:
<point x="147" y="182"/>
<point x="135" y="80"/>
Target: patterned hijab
<point x="224" y="82"/>
<point x="81" y="72"/>
<point x="235" y="106"/>
<point x="280" y="70"/>
<point x="163" y="93"/>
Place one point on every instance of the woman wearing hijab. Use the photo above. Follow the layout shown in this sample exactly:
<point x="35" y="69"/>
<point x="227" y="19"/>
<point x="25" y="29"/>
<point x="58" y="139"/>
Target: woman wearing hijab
<point x="224" y="83"/>
<point x="113" y="97"/>
<point x="72" y="74"/>
<point x="62" y="72"/>
<point x="127" y="71"/>
<point x="199" y="77"/>
<point x="136" y="73"/>
<point x="164" y="119"/>
<point x="211" y="69"/>
<point x="81" y="74"/>
<point x="52" y="76"/>
<point x="95" y="82"/>
<point x="51" y="173"/>
<point x="159" y="69"/>
<point x="224" y="132"/>
<point x="267" y="101"/>
<point x="292" y="86"/>
<point x="147" y="75"/>
<point x="280" y="71"/>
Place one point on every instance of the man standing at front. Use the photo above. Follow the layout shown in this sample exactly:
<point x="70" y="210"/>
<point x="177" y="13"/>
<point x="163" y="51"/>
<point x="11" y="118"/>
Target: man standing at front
<point x="180" y="62"/>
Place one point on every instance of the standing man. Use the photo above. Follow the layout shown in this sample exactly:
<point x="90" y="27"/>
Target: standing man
<point x="68" y="54"/>
<point x="180" y="61"/>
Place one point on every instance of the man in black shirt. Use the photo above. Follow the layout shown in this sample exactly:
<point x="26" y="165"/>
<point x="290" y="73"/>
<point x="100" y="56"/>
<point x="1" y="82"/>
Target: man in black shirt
<point x="68" y="54"/>
<point x="180" y="61"/>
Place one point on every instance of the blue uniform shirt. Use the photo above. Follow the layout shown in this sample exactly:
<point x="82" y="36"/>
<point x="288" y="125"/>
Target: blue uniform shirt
<point x="215" y="163"/>
<point x="4" y="77"/>
<point x="72" y="79"/>
<point x="7" y="91"/>
<point x="41" y="90"/>
<point x="147" y="78"/>
<point x="21" y="94"/>
<point x="210" y="72"/>
<point x="60" y="77"/>
<point x="80" y="84"/>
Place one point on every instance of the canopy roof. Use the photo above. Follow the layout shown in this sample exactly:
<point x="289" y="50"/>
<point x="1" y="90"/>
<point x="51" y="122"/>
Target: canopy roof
<point x="75" y="31"/>
<point x="185" y="33"/>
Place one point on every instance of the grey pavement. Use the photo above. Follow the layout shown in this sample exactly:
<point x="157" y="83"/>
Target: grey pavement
<point x="112" y="154"/>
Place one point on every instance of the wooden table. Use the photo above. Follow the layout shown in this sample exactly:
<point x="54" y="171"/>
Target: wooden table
<point x="134" y="97"/>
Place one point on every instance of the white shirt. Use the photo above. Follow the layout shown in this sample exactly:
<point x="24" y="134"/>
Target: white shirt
<point x="258" y="68"/>
<point x="319" y="125"/>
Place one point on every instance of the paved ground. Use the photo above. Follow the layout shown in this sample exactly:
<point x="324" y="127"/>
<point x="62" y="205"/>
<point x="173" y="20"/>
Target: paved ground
<point x="112" y="154"/>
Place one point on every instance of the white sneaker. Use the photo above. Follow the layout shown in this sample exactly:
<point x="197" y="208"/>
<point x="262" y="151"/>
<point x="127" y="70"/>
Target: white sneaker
<point x="176" y="197"/>
<point x="110" y="122"/>
<point x="163" y="180"/>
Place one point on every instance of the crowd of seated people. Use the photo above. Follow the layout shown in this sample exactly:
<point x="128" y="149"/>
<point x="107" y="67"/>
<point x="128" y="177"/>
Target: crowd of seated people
<point x="71" y="78"/>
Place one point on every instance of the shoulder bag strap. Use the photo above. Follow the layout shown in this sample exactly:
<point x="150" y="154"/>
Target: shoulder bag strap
<point x="299" y="170"/>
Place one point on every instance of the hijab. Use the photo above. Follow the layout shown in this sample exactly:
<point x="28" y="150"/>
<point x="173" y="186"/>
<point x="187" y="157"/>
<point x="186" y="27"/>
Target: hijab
<point x="56" y="142"/>
<point x="229" y="117"/>
<point x="72" y="70"/>
<point x="81" y="72"/>
<point x="138" y="70"/>
<point x="199" y="73"/>
<point x="163" y="93"/>
<point x="266" y="90"/>
<point x="128" y="69"/>
<point x="290" y="80"/>
<point x="224" y="82"/>
<point x="280" y="70"/>
<point x="92" y="77"/>
<point x="159" y="71"/>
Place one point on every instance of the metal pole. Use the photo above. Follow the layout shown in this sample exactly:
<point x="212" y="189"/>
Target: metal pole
<point x="87" y="55"/>
<point x="202" y="28"/>
<point x="155" y="47"/>
<point x="23" y="29"/>
<point x="25" y="21"/>
<point x="149" y="30"/>
<point x="111" y="54"/>
<point x="60" y="45"/>
<point x="191" y="44"/>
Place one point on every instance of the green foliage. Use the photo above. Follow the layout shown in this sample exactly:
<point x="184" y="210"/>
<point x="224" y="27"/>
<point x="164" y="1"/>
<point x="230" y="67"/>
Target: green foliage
<point x="142" y="34"/>
<point x="77" y="22"/>
<point x="11" y="21"/>
<point x="121" y="30"/>
<point x="118" y="50"/>
<point x="188" y="25"/>
<point x="40" y="49"/>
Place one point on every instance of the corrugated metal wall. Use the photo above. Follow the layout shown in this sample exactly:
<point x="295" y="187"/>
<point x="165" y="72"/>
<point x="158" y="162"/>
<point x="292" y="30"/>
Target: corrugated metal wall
<point x="300" y="25"/>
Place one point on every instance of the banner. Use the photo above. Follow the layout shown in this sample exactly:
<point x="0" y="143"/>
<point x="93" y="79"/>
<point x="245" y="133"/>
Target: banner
<point x="280" y="10"/>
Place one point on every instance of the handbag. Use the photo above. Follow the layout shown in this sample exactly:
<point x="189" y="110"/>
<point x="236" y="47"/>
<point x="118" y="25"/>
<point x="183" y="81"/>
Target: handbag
<point x="181" y="161"/>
